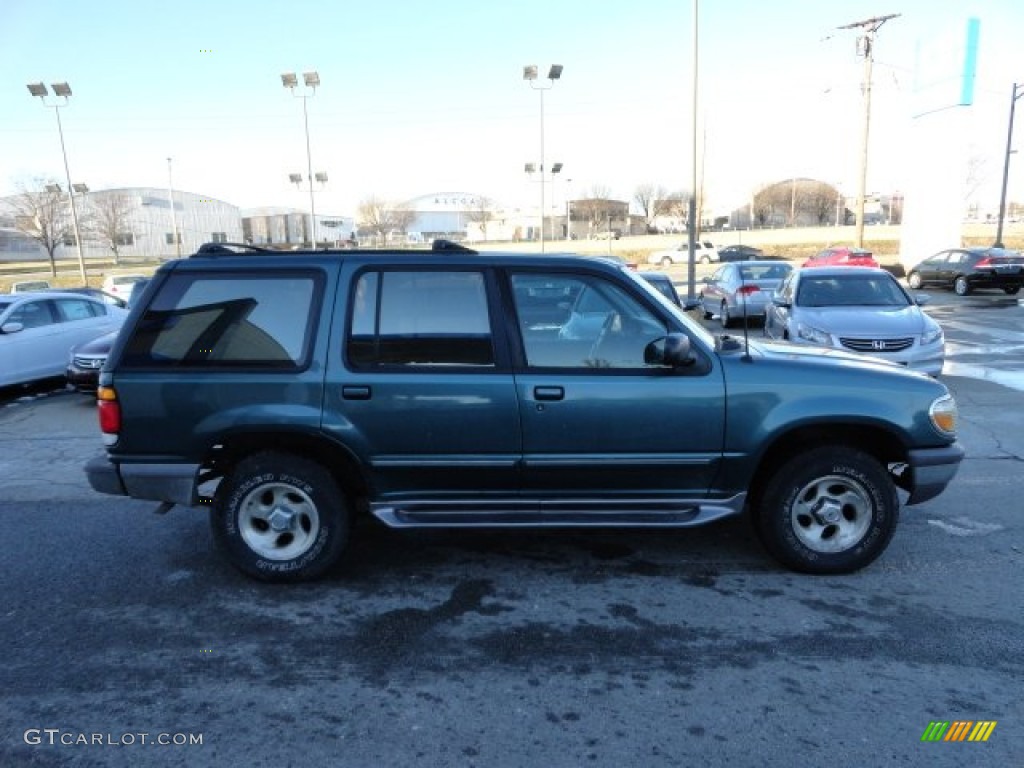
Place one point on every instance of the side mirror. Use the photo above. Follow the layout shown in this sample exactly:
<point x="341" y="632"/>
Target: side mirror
<point x="672" y="351"/>
<point x="12" y="327"/>
<point x="921" y="299"/>
<point x="779" y="301"/>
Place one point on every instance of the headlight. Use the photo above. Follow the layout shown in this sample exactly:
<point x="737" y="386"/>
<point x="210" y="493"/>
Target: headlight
<point x="813" y="335"/>
<point x="943" y="413"/>
<point x="931" y="336"/>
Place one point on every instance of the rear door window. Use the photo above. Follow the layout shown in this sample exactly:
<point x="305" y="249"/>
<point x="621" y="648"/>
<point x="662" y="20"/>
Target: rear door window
<point x="237" y="321"/>
<point x="420" y="318"/>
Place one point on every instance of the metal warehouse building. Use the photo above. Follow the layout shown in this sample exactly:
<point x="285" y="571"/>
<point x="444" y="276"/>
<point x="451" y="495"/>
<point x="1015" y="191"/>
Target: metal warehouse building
<point x="147" y="225"/>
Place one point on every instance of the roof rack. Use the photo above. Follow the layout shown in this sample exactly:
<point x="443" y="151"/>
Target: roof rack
<point x="451" y="246"/>
<point x="236" y="249"/>
<point x="213" y="249"/>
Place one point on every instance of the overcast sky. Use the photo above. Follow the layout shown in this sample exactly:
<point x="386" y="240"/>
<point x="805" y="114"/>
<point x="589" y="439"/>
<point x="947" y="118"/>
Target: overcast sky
<point x="421" y="97"/>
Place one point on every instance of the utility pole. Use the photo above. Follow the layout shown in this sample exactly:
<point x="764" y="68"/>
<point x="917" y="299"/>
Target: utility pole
<point x="866" y="48"/>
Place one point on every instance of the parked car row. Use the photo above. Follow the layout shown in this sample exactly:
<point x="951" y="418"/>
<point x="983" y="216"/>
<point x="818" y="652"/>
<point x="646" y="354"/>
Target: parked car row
<point x="51" y="332"/>
<point x="38" y="330"/>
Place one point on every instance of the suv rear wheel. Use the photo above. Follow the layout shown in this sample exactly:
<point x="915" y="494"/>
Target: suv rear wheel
<point x="830" y="510"/>
<point x="280" y="517"/>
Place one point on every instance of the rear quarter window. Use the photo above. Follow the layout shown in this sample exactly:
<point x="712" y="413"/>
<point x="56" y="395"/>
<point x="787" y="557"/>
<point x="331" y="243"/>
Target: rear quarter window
<point x="199" y="320"/>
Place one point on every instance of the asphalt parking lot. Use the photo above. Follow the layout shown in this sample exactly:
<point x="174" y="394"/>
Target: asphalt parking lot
<point x="512" y="648"/>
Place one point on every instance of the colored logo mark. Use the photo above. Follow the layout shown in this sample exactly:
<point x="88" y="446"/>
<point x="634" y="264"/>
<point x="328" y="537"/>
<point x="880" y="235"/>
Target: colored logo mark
<point x="959" y="730"/>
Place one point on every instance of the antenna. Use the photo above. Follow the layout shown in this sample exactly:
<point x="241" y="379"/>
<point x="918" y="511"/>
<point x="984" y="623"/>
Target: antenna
<point x="746" y="317"/>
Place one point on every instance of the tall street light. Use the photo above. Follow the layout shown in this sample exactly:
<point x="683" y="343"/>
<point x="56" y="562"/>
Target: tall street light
<point x="1018" y="91"/>
<point x="291" y="82"/>
<point x="174" y="215"/>
<point x="530" y="75"/>
<point x="530" y="169"/>
<point x="62" y="90"/>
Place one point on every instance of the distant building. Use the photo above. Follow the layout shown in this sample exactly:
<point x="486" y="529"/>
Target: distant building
<point x="288" y="226"/>
<point x="148" y="228"/>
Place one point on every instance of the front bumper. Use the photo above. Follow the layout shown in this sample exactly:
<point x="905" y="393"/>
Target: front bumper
<point x="931" y="470"/>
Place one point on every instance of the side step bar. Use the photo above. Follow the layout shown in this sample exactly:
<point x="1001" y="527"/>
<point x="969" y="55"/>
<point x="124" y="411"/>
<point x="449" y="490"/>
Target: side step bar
<point x="562" y="513"/>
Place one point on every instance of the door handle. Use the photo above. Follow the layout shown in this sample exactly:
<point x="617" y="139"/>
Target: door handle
<point x="549" y="393"/>
<point x="355" y="392"/>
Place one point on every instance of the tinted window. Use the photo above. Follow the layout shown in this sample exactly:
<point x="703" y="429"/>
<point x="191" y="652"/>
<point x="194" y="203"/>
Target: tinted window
<point x="217" y="321"/>
<point x="433" y="318"/>
<point x="34" y="314"/>
<point x="587" y="323"/>
<point x="78" y="309"/>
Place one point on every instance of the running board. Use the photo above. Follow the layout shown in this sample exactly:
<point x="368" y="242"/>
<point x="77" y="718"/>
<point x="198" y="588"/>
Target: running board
<point x="576" y="513"/>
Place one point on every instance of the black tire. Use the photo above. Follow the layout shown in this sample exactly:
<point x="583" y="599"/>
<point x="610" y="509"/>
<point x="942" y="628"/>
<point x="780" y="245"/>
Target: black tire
<point x="313" y="524"/>
<point x="723" y="315"/>
<point x="961" y="287"/>
<point x="914" y="280"/>
<point x="666" y="261"/>
<point x="832" y="509"/>
<point x="1011" y="290"/>
<point x="705" y="259"/>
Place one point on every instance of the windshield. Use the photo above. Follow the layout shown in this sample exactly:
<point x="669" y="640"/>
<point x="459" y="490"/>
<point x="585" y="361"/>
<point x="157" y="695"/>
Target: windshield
<point x="855" y="290"/>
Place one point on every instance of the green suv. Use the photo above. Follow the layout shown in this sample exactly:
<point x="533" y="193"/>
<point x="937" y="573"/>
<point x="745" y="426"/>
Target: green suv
<point x="288" y="393"/>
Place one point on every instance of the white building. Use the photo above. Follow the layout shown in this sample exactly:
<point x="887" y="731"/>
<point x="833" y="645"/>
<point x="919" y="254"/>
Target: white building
<point x="147" y="225"/>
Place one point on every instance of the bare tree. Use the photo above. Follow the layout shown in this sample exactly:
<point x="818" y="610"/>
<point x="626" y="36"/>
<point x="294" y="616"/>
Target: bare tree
<point x="373" y="215"/>
<point x="648" y="199"/>
<point x="819" y="201"/>
<point x="482" y="213"/>
<point x="401" y="217"/>
<point x="41" y="213"/>
<point x="594" y="208"/>
<point x="108" y="220"/>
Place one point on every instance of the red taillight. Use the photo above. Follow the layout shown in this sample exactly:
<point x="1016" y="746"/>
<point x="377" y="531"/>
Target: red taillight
<point x="746" y="290"/>
<point x="986" y="262"/>
<point x="109" y="411"/>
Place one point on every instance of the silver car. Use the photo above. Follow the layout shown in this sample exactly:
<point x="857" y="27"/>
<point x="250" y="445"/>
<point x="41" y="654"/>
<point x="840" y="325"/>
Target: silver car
<point x="741" y="289"/>
<point x="38" y="330"/>
<point x="857" y="309"/>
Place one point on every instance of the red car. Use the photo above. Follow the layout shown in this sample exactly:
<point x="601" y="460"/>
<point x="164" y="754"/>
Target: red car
<point x="842" y="256"/>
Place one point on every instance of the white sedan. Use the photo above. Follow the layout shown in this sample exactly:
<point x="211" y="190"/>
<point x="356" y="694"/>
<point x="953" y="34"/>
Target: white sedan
<point x="857" y="309"/>
<point x="37" y="331"/>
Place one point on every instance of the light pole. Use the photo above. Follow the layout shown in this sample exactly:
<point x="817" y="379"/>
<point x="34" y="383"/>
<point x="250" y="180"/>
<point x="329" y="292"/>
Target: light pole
<point x="174" y="216"/>
<point x="311" y="80"/>
<point x="63" y="90"/>
<point x="530" y="169"/>
<point x="530" y="75"/>
<point x="1018" y="91"/>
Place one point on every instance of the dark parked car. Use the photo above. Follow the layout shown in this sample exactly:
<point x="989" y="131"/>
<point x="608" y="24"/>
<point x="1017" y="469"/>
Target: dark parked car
<point x="85" y="361"/>
<point x="964" y="269"/>
<point x="136" y="291"/>
<point x="664" y="284"/>
<point x="290" y="394"/>
<point x="739" y="253"/>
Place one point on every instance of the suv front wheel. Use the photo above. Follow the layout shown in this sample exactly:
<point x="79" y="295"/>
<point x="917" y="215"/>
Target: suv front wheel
<point x="830" y="510"/>
<point x="280" y="517"/>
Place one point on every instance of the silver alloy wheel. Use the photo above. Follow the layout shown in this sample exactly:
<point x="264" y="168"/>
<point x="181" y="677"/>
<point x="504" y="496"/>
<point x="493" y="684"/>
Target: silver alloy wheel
<point x="666" y="261"/>
<point x="914" y="280"/>
<point x="831" y="514"/>
<point x="961" y="287"/>
<point x="278" y="521"/>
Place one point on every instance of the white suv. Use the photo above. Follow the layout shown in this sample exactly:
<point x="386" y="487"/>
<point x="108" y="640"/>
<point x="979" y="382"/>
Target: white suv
<point x="705" y="253"/>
